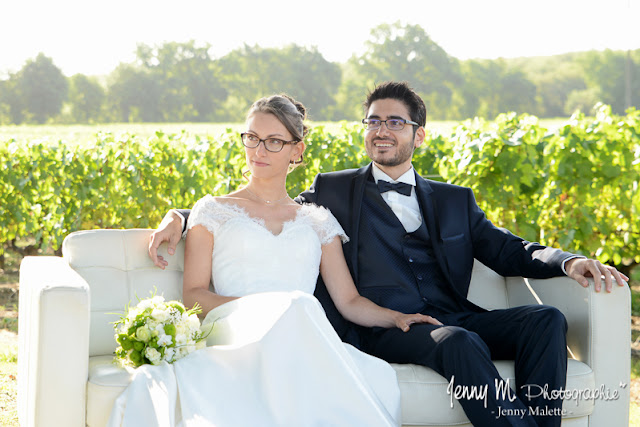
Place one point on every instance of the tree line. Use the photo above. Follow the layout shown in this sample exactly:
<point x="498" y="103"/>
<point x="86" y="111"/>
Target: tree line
<point x="182" y="82"/>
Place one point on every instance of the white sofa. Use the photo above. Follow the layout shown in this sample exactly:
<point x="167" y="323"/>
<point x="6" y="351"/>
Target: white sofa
<point x="66" y="378"/>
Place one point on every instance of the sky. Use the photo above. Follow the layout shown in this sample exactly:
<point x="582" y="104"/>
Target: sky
<point x="93" y="36"/>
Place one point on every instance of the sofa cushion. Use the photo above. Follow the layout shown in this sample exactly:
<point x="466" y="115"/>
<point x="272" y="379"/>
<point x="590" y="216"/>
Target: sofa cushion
<point x="424" y="393"/>
<point x="106" y="381"/>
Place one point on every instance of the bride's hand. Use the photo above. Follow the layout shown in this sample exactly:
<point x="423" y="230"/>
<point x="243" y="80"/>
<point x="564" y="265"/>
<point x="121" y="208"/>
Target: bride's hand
<point x="404" y="321"/>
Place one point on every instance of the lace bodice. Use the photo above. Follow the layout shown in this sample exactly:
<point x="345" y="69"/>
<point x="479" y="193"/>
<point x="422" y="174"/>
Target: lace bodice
<point x="247" y="258"/>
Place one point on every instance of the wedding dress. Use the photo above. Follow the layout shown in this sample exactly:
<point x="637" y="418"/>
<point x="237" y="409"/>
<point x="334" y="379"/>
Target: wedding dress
<point x="273" y="358"/>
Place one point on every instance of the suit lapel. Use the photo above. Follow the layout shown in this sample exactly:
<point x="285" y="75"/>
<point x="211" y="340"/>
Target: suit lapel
<point x="429" y="214"/>
<point x="359" y="182"/>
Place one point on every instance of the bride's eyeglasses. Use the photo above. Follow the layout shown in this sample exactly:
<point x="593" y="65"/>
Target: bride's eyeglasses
<point x="274" y="145"/>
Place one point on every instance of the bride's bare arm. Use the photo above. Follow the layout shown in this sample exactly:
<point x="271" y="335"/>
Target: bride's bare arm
<point x="350" y="303"/>
<point x="197" y="271"/>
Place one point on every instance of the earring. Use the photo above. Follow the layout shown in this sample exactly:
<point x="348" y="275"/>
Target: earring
<point x="297" y="162"/>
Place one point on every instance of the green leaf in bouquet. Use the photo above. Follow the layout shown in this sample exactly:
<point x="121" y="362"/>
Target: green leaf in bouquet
<point x="136" y="357"/>
<point x="177" y="305"/>
<point x="125" y="342"/>
<point x="170" y="329"/>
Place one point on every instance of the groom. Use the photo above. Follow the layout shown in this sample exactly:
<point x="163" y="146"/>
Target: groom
<point x="412" y="248"/>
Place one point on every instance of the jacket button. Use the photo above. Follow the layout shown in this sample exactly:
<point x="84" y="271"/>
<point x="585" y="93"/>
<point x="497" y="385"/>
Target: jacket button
<point x="419" y="277"/>
<point x="407" y="236"/>
<point x="410" y="259"/>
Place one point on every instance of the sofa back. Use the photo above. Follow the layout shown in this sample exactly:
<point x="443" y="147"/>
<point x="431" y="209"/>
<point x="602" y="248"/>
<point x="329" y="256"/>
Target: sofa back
<point x="117" y="267"/>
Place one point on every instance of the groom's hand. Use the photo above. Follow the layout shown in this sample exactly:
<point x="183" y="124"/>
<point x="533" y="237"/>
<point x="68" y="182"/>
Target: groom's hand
<point x="404" y="321"/>
<point x="169" y="230"/>
<point x="581" y="268"/>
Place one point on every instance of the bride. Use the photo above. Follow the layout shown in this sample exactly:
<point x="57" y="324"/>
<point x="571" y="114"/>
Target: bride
<point x="273" y="358"/>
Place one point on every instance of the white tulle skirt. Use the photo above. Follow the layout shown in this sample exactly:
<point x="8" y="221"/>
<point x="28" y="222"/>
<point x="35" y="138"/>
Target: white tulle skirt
<point x="272" y="359"/>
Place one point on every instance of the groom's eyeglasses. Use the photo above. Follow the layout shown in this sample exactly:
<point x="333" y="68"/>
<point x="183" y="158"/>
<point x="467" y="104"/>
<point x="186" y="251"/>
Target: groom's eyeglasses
<point x="274" y="145"/>
<point x="392" y="124"/>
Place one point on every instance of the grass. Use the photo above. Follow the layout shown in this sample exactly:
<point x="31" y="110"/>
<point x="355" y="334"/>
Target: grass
<point x="9" y="385"/>
<point x="83" y="133"/>
<point x="79" y="134"/>
<point x="634" y="415"/>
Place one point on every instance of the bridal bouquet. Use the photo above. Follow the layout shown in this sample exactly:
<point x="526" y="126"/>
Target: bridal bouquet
<point x="155" y="331"/>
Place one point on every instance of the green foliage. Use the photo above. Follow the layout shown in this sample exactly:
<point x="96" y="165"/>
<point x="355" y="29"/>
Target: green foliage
<point x="575" y="187"/>
<point x="407" y="53"/>
<point x="503" y="163"/>
<point x="591" y="197"/>
<point x="86" y="97"/>
<point x="252" y="72"/>
<point x="490" y="87"/>
<point x="186" y="80"/>
<point x="43" y="88"/>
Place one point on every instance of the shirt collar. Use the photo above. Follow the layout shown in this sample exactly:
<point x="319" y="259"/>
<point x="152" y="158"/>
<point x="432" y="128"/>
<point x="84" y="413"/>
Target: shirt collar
<point x="409" y="177"/>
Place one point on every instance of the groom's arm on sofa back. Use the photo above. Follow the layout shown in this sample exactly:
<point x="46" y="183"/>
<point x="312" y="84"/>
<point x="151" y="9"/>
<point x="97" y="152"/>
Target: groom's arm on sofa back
<point x="184" y="213"/>
<point x="170" y="230"/>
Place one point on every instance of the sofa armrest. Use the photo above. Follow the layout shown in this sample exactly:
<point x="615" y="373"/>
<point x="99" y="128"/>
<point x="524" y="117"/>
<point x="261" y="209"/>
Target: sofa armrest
<point x="53" y="343"/>
<point x="599" y="335"/>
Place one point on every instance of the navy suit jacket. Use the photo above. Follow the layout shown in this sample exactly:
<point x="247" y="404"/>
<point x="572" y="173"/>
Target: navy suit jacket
<point x="458" y="228"/>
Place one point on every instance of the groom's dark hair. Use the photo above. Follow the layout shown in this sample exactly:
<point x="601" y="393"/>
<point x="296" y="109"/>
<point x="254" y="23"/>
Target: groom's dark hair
<point x="400" y="91"/>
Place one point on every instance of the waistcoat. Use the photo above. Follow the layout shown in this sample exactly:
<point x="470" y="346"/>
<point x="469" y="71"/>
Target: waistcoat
<point x="398" y="270"/>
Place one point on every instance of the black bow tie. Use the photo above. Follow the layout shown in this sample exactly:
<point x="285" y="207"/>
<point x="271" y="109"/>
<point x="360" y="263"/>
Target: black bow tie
<point x="400" y="187"/>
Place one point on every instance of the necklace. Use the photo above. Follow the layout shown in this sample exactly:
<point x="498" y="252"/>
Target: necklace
<point x="269" y="202"/>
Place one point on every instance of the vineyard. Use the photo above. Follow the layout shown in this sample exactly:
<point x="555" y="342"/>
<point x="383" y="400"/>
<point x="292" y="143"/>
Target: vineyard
<point x="575" y="186"/>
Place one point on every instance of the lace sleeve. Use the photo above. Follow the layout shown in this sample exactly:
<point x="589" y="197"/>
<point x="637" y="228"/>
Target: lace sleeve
<point x="325" y="224"/>
<point x="205" y="212"/>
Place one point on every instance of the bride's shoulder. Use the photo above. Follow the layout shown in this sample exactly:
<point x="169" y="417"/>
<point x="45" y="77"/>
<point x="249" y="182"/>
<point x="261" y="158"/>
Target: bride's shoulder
<point x="211" y="203"/>
<point x="315" y="212"/>
<point x="323" y="221"/>
<point x="212" y="212"/>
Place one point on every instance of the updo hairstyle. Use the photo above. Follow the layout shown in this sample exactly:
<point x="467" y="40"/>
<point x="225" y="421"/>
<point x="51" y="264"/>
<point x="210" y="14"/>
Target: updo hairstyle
<point x="289" y="112"/>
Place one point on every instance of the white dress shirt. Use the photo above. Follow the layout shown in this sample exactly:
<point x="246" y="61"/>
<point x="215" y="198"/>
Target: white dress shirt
<point x="406" y="208"/>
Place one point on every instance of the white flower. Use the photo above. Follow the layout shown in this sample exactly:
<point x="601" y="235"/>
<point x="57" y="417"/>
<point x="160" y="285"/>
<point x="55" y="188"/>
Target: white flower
<point x="181" y="328"/>
<point x="151" y="324"/>
<point x="153" y="355"/>
<point x="181" y="339"/>
<point x="133" y="312"/>
<point x="168" y="354"/>
<point x="165" y="340"/>
<point x="175" y="315"/>
<point x="160" y="315"/>
<point x="144" y="304"/>
<point x="143" y="334"/>
<point x="193" y="322"/>
<point x="158" y="300"/>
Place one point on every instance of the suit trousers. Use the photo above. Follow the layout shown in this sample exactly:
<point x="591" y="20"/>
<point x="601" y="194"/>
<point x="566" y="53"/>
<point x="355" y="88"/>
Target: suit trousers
<point x="462" y="351"/>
